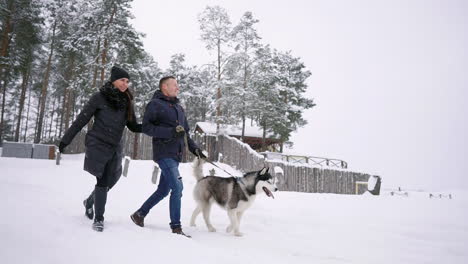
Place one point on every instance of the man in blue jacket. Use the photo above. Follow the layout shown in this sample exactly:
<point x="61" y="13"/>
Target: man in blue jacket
<point x="165" y="121"/>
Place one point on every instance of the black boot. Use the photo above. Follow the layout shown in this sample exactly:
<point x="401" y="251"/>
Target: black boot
<point x="98" y="225"/>
<point x="100" y="198"/>
<point x="88" y="204"/>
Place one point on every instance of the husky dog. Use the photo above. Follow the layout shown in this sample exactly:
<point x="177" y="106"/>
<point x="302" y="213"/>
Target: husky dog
<point x="233" y="194"/>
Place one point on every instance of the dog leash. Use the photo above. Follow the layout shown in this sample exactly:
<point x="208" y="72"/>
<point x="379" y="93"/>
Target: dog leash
<point x="180" y="129"/>
<point x="219" y="167"/>
<point x="238" y="179"/>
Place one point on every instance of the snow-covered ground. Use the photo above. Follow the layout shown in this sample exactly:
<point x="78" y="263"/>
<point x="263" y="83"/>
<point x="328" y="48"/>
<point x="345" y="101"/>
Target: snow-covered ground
<point x="43" y="222"/>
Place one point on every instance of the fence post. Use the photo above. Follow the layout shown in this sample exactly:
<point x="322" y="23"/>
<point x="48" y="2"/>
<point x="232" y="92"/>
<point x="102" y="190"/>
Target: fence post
<point x="126" y="164"/>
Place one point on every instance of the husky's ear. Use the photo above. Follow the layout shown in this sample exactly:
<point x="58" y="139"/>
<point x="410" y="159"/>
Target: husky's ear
<point x="264" y="171"/>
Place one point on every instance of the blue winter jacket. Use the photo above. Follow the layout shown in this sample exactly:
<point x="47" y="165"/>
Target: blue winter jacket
<point x="161" y="117"/>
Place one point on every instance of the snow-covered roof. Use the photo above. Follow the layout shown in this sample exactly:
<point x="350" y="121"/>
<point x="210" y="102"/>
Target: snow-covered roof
<point x="233" y="130"/>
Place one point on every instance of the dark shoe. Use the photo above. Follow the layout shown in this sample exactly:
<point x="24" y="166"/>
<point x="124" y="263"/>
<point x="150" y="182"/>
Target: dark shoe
<point x="138" y="219"/>
<point x="89" y="212"/>
<point x="98" y="226"/>
<point x="178" y="230"/>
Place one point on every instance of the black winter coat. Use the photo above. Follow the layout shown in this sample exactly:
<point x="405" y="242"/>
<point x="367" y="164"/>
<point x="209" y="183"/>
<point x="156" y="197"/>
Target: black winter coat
<point x="161" y="117"/>
<point x="104" y="139"/>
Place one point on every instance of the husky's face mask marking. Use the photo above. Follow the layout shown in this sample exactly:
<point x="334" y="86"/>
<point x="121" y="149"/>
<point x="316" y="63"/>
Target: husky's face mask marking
<point x="266" y="182"/>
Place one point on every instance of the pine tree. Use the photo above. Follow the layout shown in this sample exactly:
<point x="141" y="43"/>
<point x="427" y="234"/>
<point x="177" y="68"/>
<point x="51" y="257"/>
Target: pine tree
<point x="267" y="109"/>
<point x="290" y="78"/>
<point x="246" y="41"/>
<point x="215" y="26"/>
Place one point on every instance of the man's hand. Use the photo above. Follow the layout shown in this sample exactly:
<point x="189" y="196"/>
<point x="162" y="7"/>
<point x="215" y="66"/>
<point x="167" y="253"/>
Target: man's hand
<point x="201" y="153"/>
<point x="179" y="131"/>
<point x="62" y="146"/>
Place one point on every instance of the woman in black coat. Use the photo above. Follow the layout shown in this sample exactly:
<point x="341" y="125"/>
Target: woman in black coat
<point x="112" y="109"/>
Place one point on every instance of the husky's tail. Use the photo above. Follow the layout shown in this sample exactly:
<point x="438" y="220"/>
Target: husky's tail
<point x="198" y="168"/>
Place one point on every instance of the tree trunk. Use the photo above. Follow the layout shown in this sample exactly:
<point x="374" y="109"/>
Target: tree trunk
<point x="218" y="94"/>
<point x="203" y="110"/>
<point x="68" y="90"/>
<point x="73" y="104"/>
<point x="243" y="127"/>
<point x="104" y="60"/>
<point x="243" y="102"/>
<point x="24" y="86"/>
<point x="27" y="116"/>
<point x="96" y="67"/>
<point x="45" y="84"/>
<point x="69" y="107"/>
<point x="37" y="119"/>
<point x="3" y="111"/>
<point x="58" y="125"/>
<point x="264" y="137"/>
<point x="46" y="119"/>
<point x="62" y="114"/>
<point x="52" y="117"/>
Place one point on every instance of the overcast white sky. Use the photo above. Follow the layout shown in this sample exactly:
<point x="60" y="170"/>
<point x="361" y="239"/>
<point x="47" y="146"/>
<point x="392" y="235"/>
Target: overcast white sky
<point x="389" y="78"/>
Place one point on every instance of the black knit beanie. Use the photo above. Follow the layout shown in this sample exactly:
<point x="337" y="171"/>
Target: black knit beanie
<point x="118" y="73"/>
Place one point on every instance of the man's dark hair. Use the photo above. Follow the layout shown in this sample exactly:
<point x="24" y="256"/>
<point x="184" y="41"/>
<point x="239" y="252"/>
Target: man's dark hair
<point x="164" y="79"/>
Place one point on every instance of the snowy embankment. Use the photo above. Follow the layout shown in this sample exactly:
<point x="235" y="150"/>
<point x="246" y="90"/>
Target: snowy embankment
<point x="43" y="222"/>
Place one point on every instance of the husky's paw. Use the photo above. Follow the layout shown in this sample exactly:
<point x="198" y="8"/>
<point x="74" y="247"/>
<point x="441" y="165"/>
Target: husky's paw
<point x="211" y="229"/>
<point x="193" y="224"/>
<point x="229" y="229"/>
<point x="239" y="234"/>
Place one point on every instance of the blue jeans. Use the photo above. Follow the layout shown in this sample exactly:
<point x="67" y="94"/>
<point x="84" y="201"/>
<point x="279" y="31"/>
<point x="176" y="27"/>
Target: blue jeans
<point x="170" y="181"/>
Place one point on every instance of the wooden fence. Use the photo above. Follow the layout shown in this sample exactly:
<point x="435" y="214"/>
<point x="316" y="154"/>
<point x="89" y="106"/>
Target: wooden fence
<point x="144" y="148"/>
<point x="297" y="177"/>
<point x="229" y="150"/>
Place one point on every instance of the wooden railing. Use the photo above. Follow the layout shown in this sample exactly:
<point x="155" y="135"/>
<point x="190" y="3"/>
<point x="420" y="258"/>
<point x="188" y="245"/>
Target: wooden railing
<point x="314" y="161"/>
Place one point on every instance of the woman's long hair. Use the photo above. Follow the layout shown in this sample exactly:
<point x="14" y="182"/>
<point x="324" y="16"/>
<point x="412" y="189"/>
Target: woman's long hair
<point x="130" y="109"/>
